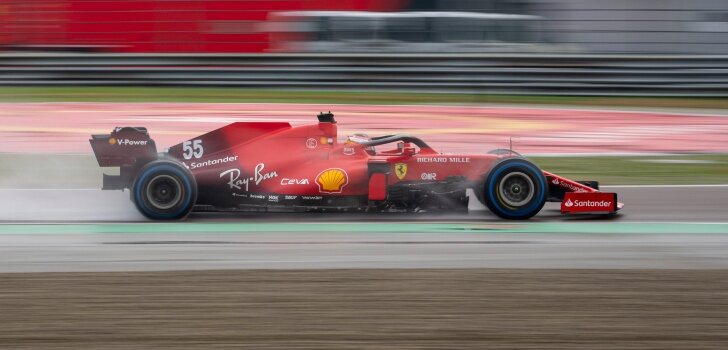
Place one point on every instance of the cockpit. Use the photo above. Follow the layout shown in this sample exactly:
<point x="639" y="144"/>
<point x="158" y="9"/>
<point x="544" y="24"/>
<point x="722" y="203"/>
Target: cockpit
<point x="403" y="145"/>
<point x="391" y="145"/>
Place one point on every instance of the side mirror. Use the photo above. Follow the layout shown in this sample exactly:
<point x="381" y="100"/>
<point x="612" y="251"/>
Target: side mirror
<point x="409" y="151"/>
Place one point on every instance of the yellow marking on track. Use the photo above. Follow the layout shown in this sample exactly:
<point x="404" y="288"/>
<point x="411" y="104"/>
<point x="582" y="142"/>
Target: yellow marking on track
<point x="435" y="121"/>
<point x="487" y="125"/>
<point x="475" y="124"/>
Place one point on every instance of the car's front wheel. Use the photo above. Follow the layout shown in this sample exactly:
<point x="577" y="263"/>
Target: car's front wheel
<point x="164" y="190"/>
<point x="515" y="189"/>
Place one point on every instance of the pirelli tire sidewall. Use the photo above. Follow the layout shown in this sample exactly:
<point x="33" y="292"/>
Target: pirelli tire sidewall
<point x="176" y="177"/>
<point x="494" y="201"/>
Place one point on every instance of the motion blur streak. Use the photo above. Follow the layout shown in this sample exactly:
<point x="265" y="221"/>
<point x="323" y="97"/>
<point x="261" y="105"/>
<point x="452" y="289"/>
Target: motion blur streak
<point x="217" y="26"/>
<point x="450" y="128"/>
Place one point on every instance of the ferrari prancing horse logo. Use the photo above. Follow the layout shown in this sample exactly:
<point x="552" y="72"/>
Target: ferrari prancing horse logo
<point x="400" y="169"/>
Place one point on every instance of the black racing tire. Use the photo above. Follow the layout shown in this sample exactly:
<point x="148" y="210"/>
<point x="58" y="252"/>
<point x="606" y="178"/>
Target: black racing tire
<point x="164" y="190"/>
<point x="515" y="189"/>
<point x="499" y="152"/>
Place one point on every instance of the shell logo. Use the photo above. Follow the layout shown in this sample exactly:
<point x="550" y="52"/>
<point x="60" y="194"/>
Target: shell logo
<point x="112" y="141"/>
<point x="332" y="180"/>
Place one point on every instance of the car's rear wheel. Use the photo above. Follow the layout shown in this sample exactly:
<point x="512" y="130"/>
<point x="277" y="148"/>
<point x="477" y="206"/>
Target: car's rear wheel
<point x="515" y="189"/>
<point x="164" y="190"/>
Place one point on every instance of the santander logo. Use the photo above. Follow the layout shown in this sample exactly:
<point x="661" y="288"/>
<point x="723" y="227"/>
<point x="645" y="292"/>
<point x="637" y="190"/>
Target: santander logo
<point x="589" y="202"/>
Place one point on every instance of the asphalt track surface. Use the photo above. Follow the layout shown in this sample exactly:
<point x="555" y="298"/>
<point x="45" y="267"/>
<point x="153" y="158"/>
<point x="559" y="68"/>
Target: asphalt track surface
<point x="644" y="203"/>
<point x="93" y="230"/>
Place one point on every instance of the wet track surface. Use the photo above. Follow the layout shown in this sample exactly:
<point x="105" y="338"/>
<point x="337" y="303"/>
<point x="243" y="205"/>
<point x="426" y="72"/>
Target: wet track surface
<point x="661" y="227"/>
<point x="688" y="203"/>
<point x="653" y="277"/>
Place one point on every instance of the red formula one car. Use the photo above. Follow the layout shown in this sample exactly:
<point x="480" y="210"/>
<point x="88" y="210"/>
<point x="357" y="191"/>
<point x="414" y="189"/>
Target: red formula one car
<point x="275" y="166"/>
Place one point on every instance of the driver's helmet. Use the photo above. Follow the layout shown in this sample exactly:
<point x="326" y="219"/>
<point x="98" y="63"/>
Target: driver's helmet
<point x="361" y="138"/>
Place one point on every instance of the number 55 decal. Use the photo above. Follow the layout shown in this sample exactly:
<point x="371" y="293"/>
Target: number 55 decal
<point x="192" y="149"/>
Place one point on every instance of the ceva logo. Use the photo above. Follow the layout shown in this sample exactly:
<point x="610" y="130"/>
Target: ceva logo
<point x="569" y="203"/>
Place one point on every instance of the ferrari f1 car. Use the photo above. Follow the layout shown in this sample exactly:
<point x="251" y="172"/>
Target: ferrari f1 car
<point x="276" y="166"/>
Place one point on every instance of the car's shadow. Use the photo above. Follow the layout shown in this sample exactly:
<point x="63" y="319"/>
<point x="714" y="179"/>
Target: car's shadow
<point x="548" y="214"/>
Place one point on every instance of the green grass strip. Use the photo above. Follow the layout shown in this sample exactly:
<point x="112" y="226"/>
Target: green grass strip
<point x="640" y="170"/>
<point x="195" y="94"/>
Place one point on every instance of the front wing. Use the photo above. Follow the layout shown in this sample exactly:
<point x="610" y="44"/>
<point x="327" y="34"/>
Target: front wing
<point x="582" y="199"/>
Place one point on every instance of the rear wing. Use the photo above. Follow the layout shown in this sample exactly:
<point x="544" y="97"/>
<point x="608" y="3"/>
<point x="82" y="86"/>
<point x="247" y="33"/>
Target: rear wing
<point x="128" y="148"/>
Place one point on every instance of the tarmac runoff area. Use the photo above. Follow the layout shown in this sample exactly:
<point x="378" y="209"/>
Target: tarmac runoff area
<point x="662" y="227"/>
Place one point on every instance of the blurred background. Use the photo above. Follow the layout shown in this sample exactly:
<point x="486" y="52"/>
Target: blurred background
<point x="559" y="77"/>
<point x="541" y="47"/>
<point x="631" y="93"/>
<point x="320" y="26"/>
